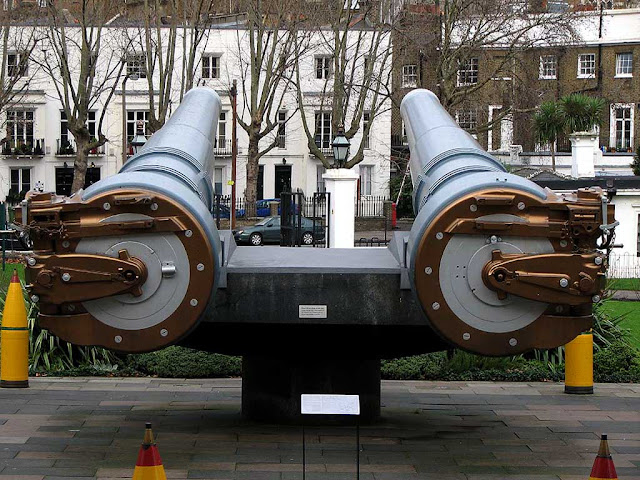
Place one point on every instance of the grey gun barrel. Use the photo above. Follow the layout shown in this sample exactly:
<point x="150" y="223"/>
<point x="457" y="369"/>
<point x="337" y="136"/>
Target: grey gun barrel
<point x="154" y="216"/>
<point x="472" y="219"/>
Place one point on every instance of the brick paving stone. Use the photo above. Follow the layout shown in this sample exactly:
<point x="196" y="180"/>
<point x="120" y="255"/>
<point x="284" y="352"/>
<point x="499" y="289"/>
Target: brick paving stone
<point x="92" y="427"/>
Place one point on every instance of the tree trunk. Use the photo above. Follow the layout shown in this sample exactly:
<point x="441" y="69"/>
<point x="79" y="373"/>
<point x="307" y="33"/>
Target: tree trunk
<point x="252" y="178"/>
<point x="80" y="165"/>
<point x="553" y="156"/>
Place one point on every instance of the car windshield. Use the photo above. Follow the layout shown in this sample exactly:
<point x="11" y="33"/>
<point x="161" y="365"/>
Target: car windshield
<point x="264" y="222"/>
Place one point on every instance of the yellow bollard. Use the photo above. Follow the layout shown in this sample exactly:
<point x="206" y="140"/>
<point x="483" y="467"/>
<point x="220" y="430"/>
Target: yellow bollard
<point x="14" y="339"/>
<point x="578" y="374"/>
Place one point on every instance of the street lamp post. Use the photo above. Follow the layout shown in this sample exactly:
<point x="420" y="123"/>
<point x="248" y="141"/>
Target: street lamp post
<point x="340" y="146"/>
<point x="341" y="184"/>
<point x="133" y="76"/>
<point x="139" y="139"/>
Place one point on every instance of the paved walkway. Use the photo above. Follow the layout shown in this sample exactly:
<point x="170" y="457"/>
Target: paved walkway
<point x="92" y="427"/>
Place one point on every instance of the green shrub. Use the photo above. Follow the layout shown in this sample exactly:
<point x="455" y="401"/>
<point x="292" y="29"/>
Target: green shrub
<point x="619" y="358"/>
<point x="417" y="367"/>
<point x="181" y="362"/>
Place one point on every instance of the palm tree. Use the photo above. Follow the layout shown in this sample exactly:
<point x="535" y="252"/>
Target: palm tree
<point x="549" y="123"/>
<point x="582" y="112"/>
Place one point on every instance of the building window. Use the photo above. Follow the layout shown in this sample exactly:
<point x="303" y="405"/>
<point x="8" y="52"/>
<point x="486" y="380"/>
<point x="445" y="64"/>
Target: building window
<point x="210" y="66"/>
<point x="548" y="67"/>
<point x="17" y="65"/>
<point x="624" y="64"/>
<point x="323" y="67"/>
<point x="365" y="179"/>
<point x="66" y="138"/>
<point x="64" y="179"/>
<point x="323" y="129"/>
<point x="468" y="72"/>
<point x="136" y="65"/>
<point x="282" y="130"/>
<point x="20" y="180"/>
<point x="366" y="132"/>
<point x="409" y="76"/>
<point x="221" y="139"/>
<point x="467" y="119"/>
<point x="638" y="241"/>
<point x="132" y="119"/>
<point x="217" y="180"/>
<point x="622" y="127"/>
<point x="20" y="127"/>
<point x="405" y="140"/>
<point x="587" y="65"/>
<point x="320" y="170"/>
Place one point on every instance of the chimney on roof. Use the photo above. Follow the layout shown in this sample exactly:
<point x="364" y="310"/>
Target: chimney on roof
<point x="584" y="149"/>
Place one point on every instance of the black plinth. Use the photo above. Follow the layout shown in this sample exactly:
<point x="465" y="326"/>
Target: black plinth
<point x="271" y="387"/>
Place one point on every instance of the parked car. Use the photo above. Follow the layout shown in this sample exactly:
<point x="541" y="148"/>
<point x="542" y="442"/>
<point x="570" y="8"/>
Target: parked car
<point x="268" y="231"/>
<point x="263" y="209"/>
<point x="225" y="212"/>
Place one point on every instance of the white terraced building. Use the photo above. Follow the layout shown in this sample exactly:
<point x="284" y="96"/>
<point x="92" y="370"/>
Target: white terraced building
<point x="35" y="117"/>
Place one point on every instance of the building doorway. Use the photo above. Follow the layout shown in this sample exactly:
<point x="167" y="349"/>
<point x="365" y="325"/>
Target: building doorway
<point x="282" y="180"/>
<point x="260" y="191"/>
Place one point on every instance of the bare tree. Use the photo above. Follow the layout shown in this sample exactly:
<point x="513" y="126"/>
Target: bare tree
<point x="83" y="62"/>
<point x="267" y="49"/>
<point x="479" y="48"/>
<point x="196" y="20"/>
<point x="353" y="64"/>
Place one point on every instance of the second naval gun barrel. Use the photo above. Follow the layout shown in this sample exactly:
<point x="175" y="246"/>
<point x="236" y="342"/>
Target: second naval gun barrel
<point x="132" y="262"/>
<point x="498" y="264"/>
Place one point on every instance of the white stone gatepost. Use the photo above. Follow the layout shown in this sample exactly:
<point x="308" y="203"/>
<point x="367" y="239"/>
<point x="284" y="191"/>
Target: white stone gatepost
<point x="584" y="148"/>
<point x="341" y="183"/>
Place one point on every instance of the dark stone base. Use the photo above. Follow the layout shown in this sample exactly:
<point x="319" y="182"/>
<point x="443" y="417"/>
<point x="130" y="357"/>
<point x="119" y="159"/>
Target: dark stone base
<point x="271" y="387"/>
<point x="578" y="390"/>
<point x="14" y="383"/>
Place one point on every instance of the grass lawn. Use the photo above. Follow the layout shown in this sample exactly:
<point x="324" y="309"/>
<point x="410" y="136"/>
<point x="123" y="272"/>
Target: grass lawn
<point x="623" y="284"/>
<point x="631" y="313"/>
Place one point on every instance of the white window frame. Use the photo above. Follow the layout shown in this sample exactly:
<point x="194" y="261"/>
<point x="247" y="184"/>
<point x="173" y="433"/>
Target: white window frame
<point x="547" y="61"/>
<point x="220" y="171"/>
<point x="467" y="74"/>
<point x="619" y="64"/>
<point x="281" y="131"/>
<point x="586" y="59"/>
<point x="467" y="116"/>
<point x="366" y="180"/>
<point x="322" y="65"/>
<point x="404" y="139"/>
<point x="221" y="134"/>
<point x="366" y="120"/>
<point x="613" y="123"/>
<point x="137" y="64"/>
<point x="20" y="171"/>
<point x="137" y="115"/>
<point x="325" y="137"/>
<point x="208" y="70"/>
<point x="410" y="75"/>
<point x="23" y="70"/>
<point x="20" y="117"/>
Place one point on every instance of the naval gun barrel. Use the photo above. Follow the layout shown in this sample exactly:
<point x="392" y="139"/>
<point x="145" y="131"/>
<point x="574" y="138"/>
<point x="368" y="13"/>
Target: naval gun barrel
<point x="498" y="264"/>
<point x="132" y="262"/>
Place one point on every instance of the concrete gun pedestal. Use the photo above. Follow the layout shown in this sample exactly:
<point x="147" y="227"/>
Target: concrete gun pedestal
<point x="271" y="386"/>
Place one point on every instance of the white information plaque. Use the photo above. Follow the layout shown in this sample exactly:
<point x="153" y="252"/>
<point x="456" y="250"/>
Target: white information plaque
<point x="312" y="311"/>
<point x="313" y="404"/>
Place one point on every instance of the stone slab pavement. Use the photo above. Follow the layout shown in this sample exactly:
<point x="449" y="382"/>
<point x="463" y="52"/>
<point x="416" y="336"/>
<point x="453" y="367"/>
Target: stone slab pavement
<point x="78" y="428"/>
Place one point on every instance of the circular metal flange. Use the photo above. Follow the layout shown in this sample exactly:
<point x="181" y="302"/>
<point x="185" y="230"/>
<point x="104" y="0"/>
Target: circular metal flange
<point x="470" y="299"/>
<point x="165" y="312"/>
<point x="471" y="316"/>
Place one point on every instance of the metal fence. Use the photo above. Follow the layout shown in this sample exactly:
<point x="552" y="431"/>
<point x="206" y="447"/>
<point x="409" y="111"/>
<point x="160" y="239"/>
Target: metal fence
<point x="366" y="206"/>
<point x="624" y="265"/>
